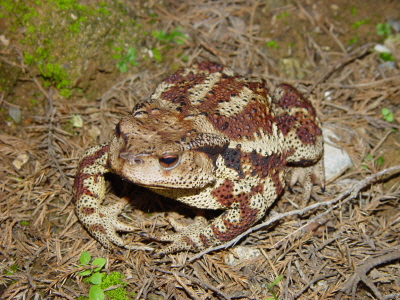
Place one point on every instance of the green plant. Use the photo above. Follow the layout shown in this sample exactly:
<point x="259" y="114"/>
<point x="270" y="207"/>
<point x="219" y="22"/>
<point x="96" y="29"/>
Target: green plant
<point x="101" y="282"/>
<point x="271" y="285"/>
<point x="272" y="44"/>
<point x="379" y="161"/>
<point x="283" y="15"/>
<point x="370" y="158"/>
<point x="387" y="115"/>
<point x="353" y="40"/>
<point x="129" y="58"/>
<point x="156" y="54"/>
<point x="175" y="36"/>
<point x="357" y="24"/>
<point x="386" y="56"/>
<point x="353" y="11"/>
<point x="383" y="29"/>
<point x="52" y="73"/>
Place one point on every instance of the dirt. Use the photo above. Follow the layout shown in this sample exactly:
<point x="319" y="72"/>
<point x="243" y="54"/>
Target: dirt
<point x="60" y="68"/>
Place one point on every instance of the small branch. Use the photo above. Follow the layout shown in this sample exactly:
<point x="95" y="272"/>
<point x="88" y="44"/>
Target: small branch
<point x="341" y="63"/>
<point x="350" y="193"/>
<point x="361" y="271"/>
<point x="199" y="282"/>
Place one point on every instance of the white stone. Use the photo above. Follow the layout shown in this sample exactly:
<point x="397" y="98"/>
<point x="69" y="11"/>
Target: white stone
<point x="242" y="253"/>
<point x="336" y="160"/>
<point x="381" y="48"/>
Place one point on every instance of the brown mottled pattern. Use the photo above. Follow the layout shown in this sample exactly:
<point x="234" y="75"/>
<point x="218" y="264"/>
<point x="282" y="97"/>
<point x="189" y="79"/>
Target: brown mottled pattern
<point x="252" y="119"/>
<point x="88" y="161"/>
<point x="285" y="123"/>
<point x="87" y="210"/>
<point x="189" y="241"/>
<point x="204" y="240"/>
<point x="292" y="98"/>
<point x="271" y="166"/>
<point x="259" y="88"/>
<point x="97" y="228"/>
<point x="210" y="67"/>
<point x="223" y="194"/>
<point x="304" y="122"/>
<point x="308" y="132"/>
<point x="179" y="92"/>
<point x="248" y="215"/>
<point x="79" y="186"/>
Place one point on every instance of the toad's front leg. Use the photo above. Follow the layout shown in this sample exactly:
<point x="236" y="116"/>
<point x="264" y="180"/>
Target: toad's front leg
<point x="101" y="221"/>
<point x="244" y="207"/>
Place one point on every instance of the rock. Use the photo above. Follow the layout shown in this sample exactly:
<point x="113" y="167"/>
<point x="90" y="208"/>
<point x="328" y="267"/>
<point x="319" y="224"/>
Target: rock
<point x="336" y="159"/>
<point x="242" y="253"/>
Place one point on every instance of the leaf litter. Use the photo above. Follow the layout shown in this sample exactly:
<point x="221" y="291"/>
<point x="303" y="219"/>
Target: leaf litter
<point x="343" y="245"/>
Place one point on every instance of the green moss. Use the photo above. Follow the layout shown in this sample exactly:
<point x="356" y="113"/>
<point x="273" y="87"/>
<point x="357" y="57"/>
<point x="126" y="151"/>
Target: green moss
<point x="115" y="278"/>
<point x="63" y="35"/>
<point x="63" y="39"/>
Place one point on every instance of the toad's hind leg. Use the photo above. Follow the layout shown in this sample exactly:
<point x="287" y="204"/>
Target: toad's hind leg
<point x="297" y="121"/>
<point x="245" y="204"/>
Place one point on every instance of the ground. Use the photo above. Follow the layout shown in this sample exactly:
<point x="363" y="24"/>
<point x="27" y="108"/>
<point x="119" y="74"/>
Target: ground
<point x="69" y="70"/>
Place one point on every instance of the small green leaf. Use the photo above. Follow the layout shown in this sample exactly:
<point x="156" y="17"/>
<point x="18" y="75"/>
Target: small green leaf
<point x="96" y="278"/>
<point x="122" y="66"/>
<point x="272" y="284"/>
<point x="353" y="40"/>
<point x="369" y="157"/>
<point x="96" y="293"/>
<point x="383" y="29"/>
<point x="85" y="273"/>
<point x="282" y="15"/>
<point x="100" y="262"/>
<point x="275" y="282"/>
<point x="157" y="54"/>
<point x="379" y="161"/>
<point x="357" y="24"/>
<point x="387" y="115"/>
<point x="84" y="258"/>
<point x="386" y="56"/>
<point x="353" y="11"/>
<point x="272" y="44"/>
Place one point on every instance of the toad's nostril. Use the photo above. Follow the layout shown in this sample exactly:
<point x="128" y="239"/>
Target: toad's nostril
<point x="133" y="159"/>
<point x="138" y="160"/>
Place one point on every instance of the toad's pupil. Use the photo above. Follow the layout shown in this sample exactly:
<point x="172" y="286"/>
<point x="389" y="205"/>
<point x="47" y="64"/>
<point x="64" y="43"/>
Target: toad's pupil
<point x="168" y="160"/>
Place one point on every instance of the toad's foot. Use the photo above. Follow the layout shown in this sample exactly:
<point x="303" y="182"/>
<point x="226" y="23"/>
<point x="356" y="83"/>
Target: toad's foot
<point x="307" y="176"/>
<point x="102" y="222"/>
<point x="196" y="237"/>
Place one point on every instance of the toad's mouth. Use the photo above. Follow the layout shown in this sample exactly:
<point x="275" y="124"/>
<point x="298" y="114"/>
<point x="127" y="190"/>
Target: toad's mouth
<point x="158" y="187"/>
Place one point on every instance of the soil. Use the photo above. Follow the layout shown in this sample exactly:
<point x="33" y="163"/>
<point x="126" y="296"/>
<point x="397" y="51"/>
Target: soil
<point x="63" y="88"/>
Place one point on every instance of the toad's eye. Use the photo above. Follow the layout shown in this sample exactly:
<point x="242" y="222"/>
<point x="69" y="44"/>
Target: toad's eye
<point x="169" y="161"/>
<point x="118" y="130"/>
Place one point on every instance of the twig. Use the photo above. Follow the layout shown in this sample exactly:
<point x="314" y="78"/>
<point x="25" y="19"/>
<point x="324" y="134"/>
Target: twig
<point x="313" y="281"/>
<point x="350" y="193"/>
<point x="341" y="63"/>
<point x="198" y="281"/>
<point x="185" y="287"/>
<point x="360" y="273"/>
